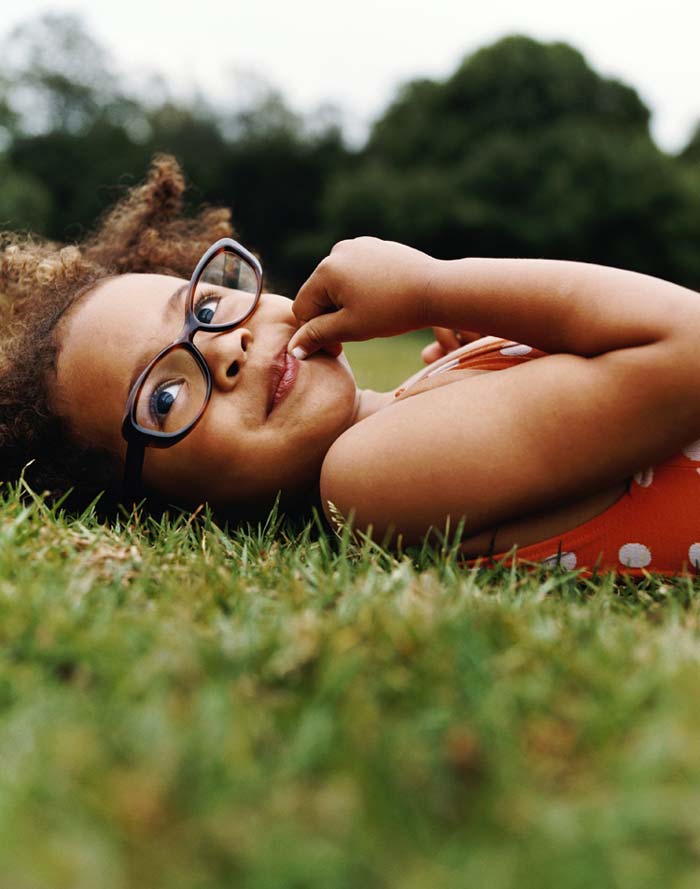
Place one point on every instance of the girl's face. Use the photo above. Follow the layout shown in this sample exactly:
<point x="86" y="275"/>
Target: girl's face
<point x="237" y="452"/>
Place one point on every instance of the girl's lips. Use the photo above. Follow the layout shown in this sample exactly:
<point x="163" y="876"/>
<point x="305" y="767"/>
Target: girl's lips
<point x="282" y="384"/>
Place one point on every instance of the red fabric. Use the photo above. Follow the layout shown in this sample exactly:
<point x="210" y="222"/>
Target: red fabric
<point x="653" y="527"/>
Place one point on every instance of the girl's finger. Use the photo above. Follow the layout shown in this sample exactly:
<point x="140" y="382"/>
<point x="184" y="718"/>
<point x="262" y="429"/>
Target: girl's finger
<point x="333" y="349"/>
<point x="325" y="332"/>
<point x="447" y="338"/>
<point x="432" y="352"/>
<point x="467" y="336"/>
<point x="313" y="299"/>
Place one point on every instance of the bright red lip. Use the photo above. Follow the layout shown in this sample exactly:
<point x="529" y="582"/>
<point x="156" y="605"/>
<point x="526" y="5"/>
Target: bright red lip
<point x="283" y="374"/>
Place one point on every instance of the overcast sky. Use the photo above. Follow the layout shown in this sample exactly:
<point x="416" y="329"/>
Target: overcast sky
<point x="355" y="54"/>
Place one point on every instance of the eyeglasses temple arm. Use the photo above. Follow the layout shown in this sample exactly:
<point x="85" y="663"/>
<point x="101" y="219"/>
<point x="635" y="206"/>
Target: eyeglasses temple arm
<point x="132" y="471"/>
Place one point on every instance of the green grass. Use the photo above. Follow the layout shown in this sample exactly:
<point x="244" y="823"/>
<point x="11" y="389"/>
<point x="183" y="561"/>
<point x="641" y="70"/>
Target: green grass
<point x="384" y="364"/>
<point x="271" y="706"/>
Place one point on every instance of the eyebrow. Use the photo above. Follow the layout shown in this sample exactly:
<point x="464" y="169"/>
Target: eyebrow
<point x="145" y="358"/>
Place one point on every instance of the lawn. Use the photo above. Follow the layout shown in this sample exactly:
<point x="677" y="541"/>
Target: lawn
<point x="384" y="364"/>
<point x="184" y="705"/>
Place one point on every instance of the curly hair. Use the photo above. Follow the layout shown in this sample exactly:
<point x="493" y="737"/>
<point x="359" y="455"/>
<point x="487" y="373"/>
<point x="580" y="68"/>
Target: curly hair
<point x="40" y="280"/>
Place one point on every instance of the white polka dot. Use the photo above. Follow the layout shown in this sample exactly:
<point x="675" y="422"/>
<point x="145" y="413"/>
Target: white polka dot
<point x="519" y="349"/>
<point x="694" y="554"/>
<point x="645" y="477"/>
<point x="634" y="555"/>
<point x="692" y="451"/>
<point x="566" y="560"/>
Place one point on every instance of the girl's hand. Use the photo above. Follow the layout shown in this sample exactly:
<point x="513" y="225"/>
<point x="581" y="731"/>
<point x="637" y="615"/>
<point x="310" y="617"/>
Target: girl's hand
<point x="447" y="340"/>
<point x="364" y="288"/>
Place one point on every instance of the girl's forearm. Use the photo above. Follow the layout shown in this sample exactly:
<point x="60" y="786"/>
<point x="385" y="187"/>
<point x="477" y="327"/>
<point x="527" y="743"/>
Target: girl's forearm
<point x="557" y="305"/>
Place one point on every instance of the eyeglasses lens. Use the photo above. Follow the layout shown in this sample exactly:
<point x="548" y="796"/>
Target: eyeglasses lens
<point x="225" y="291"/>
<point x="172" y="394"/>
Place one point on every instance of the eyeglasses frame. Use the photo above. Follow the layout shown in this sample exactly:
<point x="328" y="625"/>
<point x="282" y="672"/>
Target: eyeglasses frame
<point x="138" y="438"/>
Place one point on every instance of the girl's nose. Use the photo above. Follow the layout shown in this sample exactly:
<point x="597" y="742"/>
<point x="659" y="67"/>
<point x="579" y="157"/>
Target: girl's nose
<point x="225" y="354"/>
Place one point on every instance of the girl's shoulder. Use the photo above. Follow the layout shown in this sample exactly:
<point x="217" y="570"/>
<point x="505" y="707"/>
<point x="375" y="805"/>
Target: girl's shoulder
<point x="492" y="449"/>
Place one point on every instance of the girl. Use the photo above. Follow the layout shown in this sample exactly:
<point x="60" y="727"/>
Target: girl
<point x="569" y="433"/>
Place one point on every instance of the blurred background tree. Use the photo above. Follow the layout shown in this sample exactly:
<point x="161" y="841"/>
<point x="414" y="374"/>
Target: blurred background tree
<point x="523" y="151"/>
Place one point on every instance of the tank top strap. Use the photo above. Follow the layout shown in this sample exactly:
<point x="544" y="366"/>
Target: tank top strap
<point x="495" y="355"/>
<point x="487" y="353"/>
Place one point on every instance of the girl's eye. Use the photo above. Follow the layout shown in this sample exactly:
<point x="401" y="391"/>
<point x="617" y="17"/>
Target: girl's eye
<point x="162" y="399"/>
<point x="206" y="309"/>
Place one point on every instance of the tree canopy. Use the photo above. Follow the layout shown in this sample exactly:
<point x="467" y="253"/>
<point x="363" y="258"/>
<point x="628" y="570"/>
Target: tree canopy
<point x="524" y="150"/>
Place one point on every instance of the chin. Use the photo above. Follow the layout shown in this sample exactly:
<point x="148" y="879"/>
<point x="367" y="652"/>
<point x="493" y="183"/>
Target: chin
<point x="336" y="363"/>
<point x="346" y="364"/>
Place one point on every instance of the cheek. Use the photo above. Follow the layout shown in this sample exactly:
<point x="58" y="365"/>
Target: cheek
<point x="221" y="462"/>
<point x="191" y="470"/>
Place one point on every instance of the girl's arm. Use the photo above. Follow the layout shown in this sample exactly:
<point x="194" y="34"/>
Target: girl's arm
<point x="367" y="288"/>
<point x="559" y="306"/>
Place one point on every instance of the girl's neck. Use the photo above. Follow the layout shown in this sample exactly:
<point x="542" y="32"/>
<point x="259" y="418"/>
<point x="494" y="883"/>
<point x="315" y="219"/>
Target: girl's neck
<point x="368" y="401"/>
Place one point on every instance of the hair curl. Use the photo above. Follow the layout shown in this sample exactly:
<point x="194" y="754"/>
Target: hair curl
<point x="40" y="280"/>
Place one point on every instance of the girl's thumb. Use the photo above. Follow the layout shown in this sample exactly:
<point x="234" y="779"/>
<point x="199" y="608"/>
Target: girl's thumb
<point x="320" y="332"/>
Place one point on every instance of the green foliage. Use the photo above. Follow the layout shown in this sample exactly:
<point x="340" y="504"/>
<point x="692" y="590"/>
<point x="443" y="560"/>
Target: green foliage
<point x="274" y="179"/>
<point x="76" y="132"/>
<point x="523" y="151"/>
<point x="80" y="173"/>
<point x="383" y="364"/>
<point x="691" y="153"/>
<point x="56" y="76"/>
<point x="24" y="201"/>
<point x="517" y="87"/>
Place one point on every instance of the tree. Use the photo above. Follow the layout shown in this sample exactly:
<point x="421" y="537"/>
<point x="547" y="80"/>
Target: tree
<point x="55" y="77"/>
<point x="24" y="202"/>
<point x="274" y="175"/>
<point x="517" y="87"/>
<point x="523" y="151"/>
<point x="691" y="152"/>
<point x="64" y="118"/>
<point x="80" y="172"/>
<point x="73" y="132"/>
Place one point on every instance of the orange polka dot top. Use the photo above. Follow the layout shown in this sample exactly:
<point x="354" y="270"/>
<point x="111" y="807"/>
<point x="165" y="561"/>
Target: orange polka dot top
<point x="653" y="527"/>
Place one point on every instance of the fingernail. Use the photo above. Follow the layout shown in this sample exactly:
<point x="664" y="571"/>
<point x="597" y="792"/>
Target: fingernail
<point x="299" y="353"/>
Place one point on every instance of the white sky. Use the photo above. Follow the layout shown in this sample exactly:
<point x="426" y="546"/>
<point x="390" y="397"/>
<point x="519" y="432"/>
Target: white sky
<point x="355" y="54"/>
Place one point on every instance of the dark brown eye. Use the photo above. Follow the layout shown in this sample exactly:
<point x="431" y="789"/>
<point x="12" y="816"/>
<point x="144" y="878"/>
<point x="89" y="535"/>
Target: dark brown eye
<point x="206" y="308"/>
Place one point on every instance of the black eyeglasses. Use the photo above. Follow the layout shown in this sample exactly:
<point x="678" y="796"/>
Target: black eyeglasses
<point x="171" y="394"/>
